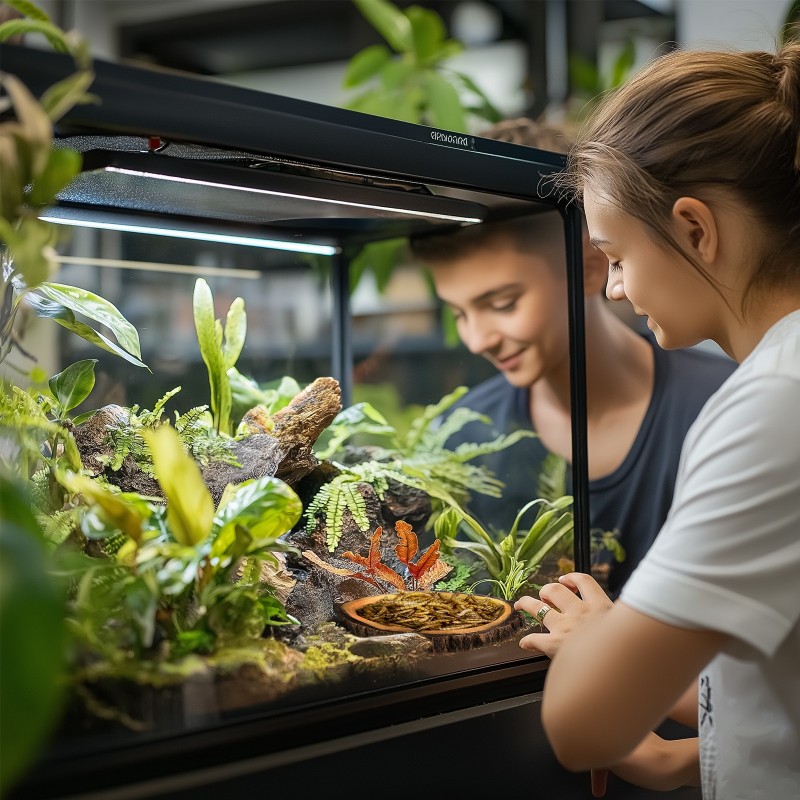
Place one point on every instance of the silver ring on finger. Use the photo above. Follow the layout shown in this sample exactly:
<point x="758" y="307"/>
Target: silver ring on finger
<point x="542" y="613"/>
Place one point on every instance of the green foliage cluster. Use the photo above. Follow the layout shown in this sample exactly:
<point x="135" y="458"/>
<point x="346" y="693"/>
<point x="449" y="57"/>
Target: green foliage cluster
<point x="37" y="427"/>
<point x="511" y="559"/>
<point x="194" y="428"/>
<point x="34" y="172"/>
<point x="417" y="458"/>
<point x="186" y="574"/>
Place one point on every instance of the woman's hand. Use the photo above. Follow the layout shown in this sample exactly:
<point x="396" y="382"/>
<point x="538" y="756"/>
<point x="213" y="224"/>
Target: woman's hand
<point x="575" y="599"/>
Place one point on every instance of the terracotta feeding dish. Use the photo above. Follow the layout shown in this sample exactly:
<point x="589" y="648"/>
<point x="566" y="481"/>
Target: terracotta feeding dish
<point x="450" y="620"/>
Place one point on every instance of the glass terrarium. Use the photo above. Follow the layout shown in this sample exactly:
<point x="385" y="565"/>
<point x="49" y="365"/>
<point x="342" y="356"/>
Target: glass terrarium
<point x="264" y="485"/>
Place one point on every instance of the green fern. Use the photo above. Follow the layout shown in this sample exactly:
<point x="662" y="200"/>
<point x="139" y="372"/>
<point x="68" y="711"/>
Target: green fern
<point x="459" y="578"/>
<point x="25" y="422"/>
<point x="194" y="430"/>
<point x="201" y="440"/>
<point x="333" y="500"/>
<point x="127" y="440"/>
<point x="58" y="526"/>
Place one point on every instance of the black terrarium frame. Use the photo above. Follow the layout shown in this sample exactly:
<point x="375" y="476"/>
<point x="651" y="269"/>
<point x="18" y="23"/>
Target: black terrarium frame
<point x="243" y="162"/>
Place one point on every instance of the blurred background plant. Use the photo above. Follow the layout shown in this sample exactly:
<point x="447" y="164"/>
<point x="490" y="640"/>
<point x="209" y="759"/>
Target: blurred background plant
<point x="409" y="80"/>
<point x="590" y="83"/>
<point x="34" y="172"/>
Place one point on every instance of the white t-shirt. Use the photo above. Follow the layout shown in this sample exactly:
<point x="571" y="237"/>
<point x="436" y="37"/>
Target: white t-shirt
<point x="728" y="559"/>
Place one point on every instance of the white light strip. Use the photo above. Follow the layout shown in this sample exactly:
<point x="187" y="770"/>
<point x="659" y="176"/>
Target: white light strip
<point x="195" y="182"/>
<point x="205" y="236"/>
<point x="155" y="266"/>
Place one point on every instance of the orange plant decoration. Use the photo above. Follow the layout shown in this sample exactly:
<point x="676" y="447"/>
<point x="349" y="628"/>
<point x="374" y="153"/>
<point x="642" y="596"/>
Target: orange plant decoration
<point x="423" y="573"/>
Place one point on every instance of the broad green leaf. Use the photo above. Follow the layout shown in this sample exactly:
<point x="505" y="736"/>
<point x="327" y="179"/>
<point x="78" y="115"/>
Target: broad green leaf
<point x="32" y="637"/>
<point x="62" y="166"/>
<point x="358" y="413"/>
<point x="554" y="534"/>
<point x="407" y="106"/>
<point x="266" y="507"/>
<point x="74" y="384"/>
<point x="190" y="508"/>
<point x="64" y="317"/>
<point x="81" y="418"/>
<point x="235" y="333"/>
<point x="397" y="74"/>
<point x="365" y="65"/>
<point x="448" y="49"/>
<point x="97" y="308"/>
<point x="486" y="552"/>
<point x="390" y="22"/>
<point x="428" y="33"/>
<point x="281" y="391"/>
<point x="444" y="103"/>
<point x="539" y="530"/>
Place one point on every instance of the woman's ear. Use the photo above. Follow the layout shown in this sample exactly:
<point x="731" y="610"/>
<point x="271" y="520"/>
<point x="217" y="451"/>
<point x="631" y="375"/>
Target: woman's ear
<point x="595" y="268"/>
<point x="696" y="228"/>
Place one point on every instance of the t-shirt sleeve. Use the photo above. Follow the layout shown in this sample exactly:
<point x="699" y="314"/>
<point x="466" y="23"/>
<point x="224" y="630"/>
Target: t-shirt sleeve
<point x="728" y="556"/>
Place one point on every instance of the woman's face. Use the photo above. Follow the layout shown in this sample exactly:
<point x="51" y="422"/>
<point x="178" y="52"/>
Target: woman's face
<point x="510" y="307"/>
<point x="659" y="283"/>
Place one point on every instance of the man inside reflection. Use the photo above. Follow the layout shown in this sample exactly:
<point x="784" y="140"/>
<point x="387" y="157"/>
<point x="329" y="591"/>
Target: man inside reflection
<point x="505" y="283"/>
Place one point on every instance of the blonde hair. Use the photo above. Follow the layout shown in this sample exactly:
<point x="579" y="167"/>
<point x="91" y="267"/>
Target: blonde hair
<point x="694" y="122"/>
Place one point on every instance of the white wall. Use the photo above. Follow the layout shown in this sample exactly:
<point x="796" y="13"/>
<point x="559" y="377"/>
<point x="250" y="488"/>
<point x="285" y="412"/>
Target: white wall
<point x="722" y="24"/>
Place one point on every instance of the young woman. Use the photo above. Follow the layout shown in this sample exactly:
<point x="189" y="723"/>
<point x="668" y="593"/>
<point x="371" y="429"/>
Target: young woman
<point x="690" y="181"/>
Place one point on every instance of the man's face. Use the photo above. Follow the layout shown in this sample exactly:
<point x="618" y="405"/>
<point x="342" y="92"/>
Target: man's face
<point x="510" y="307"/>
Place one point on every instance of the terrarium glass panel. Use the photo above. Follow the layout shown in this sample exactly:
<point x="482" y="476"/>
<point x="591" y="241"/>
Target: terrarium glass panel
<point x="306" y="563"/>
